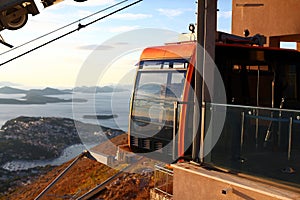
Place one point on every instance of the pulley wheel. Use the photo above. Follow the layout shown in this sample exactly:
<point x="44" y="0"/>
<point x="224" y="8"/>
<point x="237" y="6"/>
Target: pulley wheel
<point x="14" y="20"/>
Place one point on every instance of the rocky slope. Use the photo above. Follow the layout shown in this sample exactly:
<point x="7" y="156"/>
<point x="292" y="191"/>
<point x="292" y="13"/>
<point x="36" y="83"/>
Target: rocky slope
<point x="38" y="139"/>
<point x="85" y="175"/>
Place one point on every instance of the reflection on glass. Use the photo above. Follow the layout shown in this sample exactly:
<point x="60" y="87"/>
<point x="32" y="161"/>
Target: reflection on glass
<point x="269" y="148"/>
<point x="156" y="91"/>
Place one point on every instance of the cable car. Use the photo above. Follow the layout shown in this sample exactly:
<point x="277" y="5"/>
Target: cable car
<point x="263" y="101"/>
<point x="163" y="80"/>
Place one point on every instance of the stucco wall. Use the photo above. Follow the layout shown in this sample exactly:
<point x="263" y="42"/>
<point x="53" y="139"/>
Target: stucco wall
<point x="267" y="17"/>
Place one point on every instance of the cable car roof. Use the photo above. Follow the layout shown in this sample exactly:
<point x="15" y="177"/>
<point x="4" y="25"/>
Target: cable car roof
<point x="170" y="51"/>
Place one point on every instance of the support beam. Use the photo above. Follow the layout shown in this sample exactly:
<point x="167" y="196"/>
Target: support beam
<point x="206" y="34"/>
<point x="198" y="79"/>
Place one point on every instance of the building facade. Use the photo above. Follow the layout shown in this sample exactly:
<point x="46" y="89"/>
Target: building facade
<point x="276" y="19"/>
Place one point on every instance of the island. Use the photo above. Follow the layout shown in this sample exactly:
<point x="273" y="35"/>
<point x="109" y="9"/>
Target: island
<point x="110" y="116"/>
<point x="97" y="89"/>
<point x="45" y="91"/>
<point x="37" y="96"/>
<point x="39" y="99"/>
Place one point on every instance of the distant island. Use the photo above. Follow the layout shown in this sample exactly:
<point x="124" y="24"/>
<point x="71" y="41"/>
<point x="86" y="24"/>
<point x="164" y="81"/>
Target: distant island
<point x="97" y="89"/>
<point x="10" y="90"/>
<point x="38" y="99"/>
<point x="41" y="96"/>
<point x="53" y="91"/>
<point x="46" y="91"/>
<point x="36" y="96"/>
<point x="100" y="116"/>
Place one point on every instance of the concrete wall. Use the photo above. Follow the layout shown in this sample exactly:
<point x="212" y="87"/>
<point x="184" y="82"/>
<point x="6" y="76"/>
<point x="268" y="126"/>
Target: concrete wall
<point x="193" y="182"/>
<point x="102" y="158"/>
<point x="273" y="18"/>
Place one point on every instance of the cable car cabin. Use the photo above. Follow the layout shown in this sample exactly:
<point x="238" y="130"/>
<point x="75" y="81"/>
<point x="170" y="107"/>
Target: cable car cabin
<point x="162" y="81"/>
<point x="262" y="110"/>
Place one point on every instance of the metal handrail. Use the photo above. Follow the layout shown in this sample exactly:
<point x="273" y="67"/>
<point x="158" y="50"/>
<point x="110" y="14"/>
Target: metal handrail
<point x="253" y="107"/>
<point x="290" y="129"/>
<point x="151" y="122"/>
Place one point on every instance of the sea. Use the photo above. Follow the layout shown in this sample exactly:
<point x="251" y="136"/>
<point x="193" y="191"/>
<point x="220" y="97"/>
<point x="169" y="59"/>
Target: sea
<point x="116" y="103"/>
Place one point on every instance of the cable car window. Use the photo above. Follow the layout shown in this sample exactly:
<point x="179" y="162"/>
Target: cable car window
<point x="164" y="64"/>
<point x="155" y="94"/>
<point x="175" y="65"/>
<point x="179" y="65"/>
<point x="151" y="65"/>
<point x="177" y="84"/>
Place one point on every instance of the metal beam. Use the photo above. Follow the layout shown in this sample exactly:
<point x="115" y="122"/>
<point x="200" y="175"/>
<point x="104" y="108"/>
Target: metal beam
<point x="206" y="35"/>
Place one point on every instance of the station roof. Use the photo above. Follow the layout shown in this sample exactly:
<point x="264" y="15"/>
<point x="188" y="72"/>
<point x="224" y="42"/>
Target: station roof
<point x="240" y="53"/>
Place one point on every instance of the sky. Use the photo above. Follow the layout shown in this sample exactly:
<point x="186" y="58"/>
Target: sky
<point x="59" y="63"/>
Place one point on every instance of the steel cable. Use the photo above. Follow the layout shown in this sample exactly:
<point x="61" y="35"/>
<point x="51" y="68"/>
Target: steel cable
<point x="63" y="27"/>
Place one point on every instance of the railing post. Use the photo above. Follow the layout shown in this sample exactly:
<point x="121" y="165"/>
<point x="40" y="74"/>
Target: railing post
<point x="167" y="183"/>
<point x="175" y="128"/>
<point x="202" y="136"/>
<point x="256" y="129"/>
<point x="290" y="138"/>
<point x="242" y="130"/>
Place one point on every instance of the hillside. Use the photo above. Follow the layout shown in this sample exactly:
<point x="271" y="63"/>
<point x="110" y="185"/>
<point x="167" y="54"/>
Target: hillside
<point x="40" y="139"/>
<point x="85" y="175"/>
<point x="10" y="90"/>
<point x="45" y="137"/>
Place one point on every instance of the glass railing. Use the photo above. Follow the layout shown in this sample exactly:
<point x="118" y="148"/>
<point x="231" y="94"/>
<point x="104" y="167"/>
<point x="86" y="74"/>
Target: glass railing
<point x="163" y="181"/>
<point x="263" y="142"/>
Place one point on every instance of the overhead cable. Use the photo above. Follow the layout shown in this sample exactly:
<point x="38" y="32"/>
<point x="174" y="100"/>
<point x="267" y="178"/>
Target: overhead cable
<point x="65" y="26"/>
<point x="80" y="26"/>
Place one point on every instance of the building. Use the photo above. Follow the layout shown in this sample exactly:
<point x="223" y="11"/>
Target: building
<point x="276" y="19"/>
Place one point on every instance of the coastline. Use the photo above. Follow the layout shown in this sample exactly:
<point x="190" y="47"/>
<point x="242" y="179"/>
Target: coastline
<point x="45" y="138"/>
<point x="31" y="146"/>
